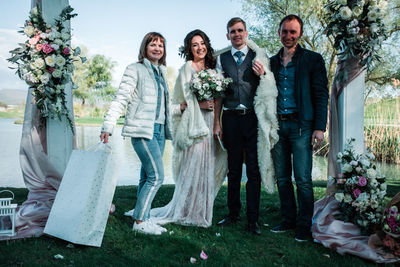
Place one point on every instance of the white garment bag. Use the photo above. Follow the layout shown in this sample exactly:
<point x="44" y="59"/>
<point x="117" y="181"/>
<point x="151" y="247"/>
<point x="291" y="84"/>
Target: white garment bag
<point x="82" y="204"/>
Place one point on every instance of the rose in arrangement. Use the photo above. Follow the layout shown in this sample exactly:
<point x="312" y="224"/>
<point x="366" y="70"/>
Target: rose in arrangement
<point x="45" y="62"/>
<point x="360" y="189"/>
<point x="208" y="84"/>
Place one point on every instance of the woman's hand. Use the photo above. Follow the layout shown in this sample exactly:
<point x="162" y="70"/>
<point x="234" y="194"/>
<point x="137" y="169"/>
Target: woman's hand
<point x="207" y="104"/>
<point x="183" y="106"/>
<point x="104" y="136"/>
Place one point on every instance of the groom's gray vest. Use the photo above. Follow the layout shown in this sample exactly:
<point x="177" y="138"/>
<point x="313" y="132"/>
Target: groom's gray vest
<point x="245" y="81"/>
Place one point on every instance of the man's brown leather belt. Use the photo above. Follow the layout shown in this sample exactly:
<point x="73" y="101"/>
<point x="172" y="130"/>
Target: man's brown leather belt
<point x="287" y="117"/>
<point x="239" y="111"/>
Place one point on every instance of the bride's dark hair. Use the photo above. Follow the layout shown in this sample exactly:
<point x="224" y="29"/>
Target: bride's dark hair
<point x="209" y="59"/>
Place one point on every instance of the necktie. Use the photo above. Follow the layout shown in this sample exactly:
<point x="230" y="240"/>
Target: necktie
<point x="239" y="55"/>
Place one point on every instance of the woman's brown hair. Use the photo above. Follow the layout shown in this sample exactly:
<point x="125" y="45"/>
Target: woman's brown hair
<point x="209" y="59"/>
<point x="148" y="38"/>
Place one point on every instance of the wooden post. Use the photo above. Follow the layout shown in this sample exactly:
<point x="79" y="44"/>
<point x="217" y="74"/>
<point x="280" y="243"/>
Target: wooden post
<point x="351" y="114"/>
<point x="58" y="133"/>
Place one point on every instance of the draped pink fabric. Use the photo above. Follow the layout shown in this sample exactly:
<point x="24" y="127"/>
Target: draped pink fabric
<point x="341" y="236"/>
<point x="40" y="176"/>
<point x="344" y="237"/>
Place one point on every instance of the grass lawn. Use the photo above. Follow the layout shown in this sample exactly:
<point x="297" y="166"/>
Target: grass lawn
<point x="234" y="246"/>
<point x="11" y="114"/>
<point x="94" y="121"/>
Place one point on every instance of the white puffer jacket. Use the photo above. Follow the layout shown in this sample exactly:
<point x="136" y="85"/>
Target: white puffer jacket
<point x="138" y="92"/>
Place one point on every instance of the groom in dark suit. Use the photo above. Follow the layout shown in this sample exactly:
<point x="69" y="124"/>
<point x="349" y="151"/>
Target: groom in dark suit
<point x="239" y="124"/>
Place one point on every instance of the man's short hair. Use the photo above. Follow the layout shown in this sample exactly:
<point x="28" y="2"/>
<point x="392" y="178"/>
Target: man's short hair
<point x="233" y="21"/>
<point x="290" y="18"/>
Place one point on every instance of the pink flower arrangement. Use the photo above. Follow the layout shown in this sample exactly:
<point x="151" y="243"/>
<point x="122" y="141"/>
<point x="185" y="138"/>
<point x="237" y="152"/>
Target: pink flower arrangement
<point x="47" y="48"/>
<point x="362" y="181"/>
<point x="34" y="40"/>
<point x="391" y="220"/>
<point x="391" y="226"/>
<point x="360" y="190"/>
<point x="357" y="192"/>
<point x="66" y="50"/>
<point x="39" y="47"/>
<point x="35" y="69"/>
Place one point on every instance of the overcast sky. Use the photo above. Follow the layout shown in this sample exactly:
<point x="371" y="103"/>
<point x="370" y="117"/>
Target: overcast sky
<point x="116" y="28"/>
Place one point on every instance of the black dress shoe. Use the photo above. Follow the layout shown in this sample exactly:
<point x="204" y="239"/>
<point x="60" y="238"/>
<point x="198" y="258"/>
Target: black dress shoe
<point x="282" y="228"/>
<point x="254" y="228"/>
<point x="228" y="220"/>
<point x="303" y="235"/>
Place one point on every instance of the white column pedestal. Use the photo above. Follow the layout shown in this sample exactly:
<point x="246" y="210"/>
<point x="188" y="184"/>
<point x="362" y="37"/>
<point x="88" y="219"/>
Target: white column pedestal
<point x="351" y="114"/>
<point x="59" y="134"/>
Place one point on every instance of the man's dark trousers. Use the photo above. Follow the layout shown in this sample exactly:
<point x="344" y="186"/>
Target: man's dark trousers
<point x="297" y="142"/>
<point x="240" y="133"/>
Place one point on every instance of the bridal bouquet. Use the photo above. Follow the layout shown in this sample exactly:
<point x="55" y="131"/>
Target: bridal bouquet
<point x="45" y="62"/>
<point x="208" y="84"/>
<point x="360" y="190"/>
<point x="358" y="27"/>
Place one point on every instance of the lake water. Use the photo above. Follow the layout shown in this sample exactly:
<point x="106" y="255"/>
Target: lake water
<point x="127" y="162"/>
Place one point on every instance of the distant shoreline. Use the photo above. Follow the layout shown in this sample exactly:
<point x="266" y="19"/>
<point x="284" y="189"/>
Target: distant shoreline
<point x="91" y="122"/>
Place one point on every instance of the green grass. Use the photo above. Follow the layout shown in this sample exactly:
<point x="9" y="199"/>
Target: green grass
<point x="11" y="114"/>
<point x="235" y="247"/>
<point x="95" y="121"/>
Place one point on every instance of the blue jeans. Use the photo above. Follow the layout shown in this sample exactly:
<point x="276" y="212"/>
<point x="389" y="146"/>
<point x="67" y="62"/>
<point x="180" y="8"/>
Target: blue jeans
<point x="297" y="142"/>
<point x="152" y="171"/>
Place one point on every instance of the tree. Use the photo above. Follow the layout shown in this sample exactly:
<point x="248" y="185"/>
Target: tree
<point x="264" y="16"/>
<point x="99" y="77"/>
<point x="171" y="76"/>
<point x="387" y="71"/>
<point x="93" y="80"/>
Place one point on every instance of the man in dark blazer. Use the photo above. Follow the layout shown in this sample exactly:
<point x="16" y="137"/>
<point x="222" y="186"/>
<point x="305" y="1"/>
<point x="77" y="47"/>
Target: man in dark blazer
<point x="301" y="80"/>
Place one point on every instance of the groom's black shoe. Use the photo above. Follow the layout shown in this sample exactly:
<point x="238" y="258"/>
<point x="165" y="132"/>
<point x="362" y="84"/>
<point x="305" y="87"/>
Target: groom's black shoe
<point x="228" y="220"/>
<point x="254" y="228"/>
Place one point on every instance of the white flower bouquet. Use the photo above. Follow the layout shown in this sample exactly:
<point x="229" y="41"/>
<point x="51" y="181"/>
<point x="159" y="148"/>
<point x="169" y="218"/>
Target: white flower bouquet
<point x="45" y="62"/>
<point x="358" y="28"/>
<point x="360" y="190"/>
<point x="209" y="83"/>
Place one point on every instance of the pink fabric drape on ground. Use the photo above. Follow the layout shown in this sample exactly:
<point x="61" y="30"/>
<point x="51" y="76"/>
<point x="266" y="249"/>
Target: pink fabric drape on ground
<point x="40" y="176"/>
<point x="341" y="236"/>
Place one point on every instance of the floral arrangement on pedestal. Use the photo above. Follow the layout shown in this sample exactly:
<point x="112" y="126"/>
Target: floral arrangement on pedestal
<point x="209" y="83"/>
<point x="358" y="28"/>
<point x="45" y="62"/>
<point x="360" y="190"/>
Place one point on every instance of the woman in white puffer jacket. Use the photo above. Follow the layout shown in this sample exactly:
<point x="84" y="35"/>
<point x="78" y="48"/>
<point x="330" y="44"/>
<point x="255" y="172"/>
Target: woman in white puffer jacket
<point x="144" y="93"/>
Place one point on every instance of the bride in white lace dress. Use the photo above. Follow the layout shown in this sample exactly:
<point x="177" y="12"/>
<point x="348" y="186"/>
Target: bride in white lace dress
<point x="199" y="164"/>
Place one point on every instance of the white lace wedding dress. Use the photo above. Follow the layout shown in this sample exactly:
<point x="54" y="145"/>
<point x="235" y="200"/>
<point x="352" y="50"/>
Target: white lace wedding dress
<point x="193" y="199"/>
